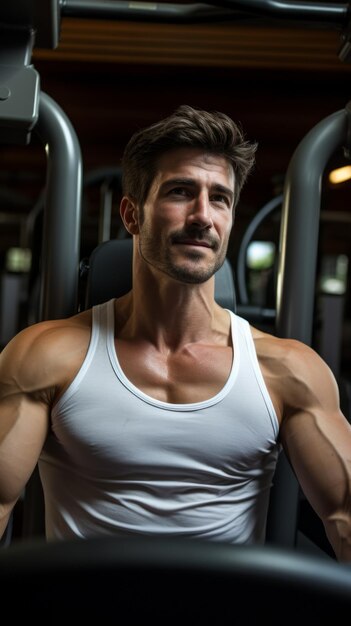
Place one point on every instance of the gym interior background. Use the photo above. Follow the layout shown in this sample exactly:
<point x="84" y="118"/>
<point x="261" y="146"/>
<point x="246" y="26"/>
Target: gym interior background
<point x="112" y="77"/>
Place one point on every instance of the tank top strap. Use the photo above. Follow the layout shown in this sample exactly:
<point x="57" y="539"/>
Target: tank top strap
<point x="248" y="347"/>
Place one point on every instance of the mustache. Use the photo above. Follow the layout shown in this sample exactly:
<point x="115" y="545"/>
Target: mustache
<point x="195" y="233"/>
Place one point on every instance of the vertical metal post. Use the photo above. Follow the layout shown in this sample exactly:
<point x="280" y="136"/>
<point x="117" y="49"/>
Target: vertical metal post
<point x="105" y="218"/>
<point x="62" y="213"/>
<point x="300" y="226"/>
<point x="296" y="283"/>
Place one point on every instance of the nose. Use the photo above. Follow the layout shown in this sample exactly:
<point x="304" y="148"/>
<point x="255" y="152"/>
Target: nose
<point x="200" y="212"/>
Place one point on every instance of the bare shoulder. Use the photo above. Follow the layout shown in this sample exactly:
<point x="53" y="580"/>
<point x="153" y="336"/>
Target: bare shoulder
<point x="295" y="372"/>
<point x="276" y="351"/>
<point x="46" y="353"/>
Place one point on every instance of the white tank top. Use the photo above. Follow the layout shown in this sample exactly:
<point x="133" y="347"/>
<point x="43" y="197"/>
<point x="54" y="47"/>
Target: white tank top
<point x="119" y="462"/>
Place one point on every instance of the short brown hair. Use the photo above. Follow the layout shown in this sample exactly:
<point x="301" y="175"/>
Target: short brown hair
<point x="213" y="131"/>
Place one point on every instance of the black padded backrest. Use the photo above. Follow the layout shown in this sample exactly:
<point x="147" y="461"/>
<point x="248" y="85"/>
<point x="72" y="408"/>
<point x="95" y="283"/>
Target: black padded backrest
<point x="175" y="581"/>
<point x="110" y="275"/>
<point x="109" y="271"/>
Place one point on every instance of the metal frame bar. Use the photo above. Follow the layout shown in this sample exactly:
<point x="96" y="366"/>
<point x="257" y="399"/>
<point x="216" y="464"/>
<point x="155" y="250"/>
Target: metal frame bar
<point x="324" y="13"/>
<point x="300" y="226"/>
<point x="62" y="214"/>
<point x="296" y="284"/>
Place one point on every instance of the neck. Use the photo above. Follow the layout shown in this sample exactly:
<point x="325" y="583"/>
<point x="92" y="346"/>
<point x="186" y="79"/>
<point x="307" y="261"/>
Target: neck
<point x="169" y="313"/>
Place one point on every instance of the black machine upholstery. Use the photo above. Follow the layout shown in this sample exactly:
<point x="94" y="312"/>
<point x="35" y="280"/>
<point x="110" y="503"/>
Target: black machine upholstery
<point x="163" y="581"/>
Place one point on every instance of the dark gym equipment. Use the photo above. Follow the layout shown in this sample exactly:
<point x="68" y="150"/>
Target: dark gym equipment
<point x="167" y="581"/>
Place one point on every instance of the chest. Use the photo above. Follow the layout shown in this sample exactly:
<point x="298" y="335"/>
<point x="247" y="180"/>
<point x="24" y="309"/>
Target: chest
<point x="108" y="430"/>
<point x="107" y="426"/>
<point x="193" y="374"/>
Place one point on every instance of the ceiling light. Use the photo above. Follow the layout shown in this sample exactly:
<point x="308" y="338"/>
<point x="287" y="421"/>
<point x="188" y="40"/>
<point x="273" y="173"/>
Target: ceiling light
<point x="340" y="175"/>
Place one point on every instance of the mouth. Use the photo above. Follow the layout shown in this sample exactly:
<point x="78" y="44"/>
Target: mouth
<point x="193" y="242"/>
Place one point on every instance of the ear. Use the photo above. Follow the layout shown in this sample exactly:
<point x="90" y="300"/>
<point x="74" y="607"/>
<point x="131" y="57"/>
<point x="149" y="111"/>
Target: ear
<point x="129" y="214"/>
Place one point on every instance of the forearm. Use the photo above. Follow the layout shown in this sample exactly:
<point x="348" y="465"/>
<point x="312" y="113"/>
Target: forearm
<point x="338" y="530"/>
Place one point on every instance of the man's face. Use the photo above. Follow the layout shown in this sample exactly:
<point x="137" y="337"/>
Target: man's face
<point x="185" y="224"/>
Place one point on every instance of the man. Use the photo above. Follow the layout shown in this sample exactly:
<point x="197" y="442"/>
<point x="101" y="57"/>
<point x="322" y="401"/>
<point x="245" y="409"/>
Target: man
<point x="160" y="413"/>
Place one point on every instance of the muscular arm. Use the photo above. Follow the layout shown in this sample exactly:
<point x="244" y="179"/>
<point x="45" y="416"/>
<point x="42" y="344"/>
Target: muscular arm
<point x="317" y="440"/>
<point x="34" y="368"/>
<point x="23" y="417"/>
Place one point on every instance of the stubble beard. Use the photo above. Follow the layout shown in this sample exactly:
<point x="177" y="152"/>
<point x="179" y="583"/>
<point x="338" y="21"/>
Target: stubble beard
<point x="158" y="254"/>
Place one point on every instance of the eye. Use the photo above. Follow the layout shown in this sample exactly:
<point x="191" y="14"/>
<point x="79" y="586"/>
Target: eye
<point x="221" y="200"/>
<point x="179" y="191"/>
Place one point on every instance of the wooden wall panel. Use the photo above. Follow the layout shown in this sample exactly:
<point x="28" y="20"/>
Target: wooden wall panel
<point x="197" y="45"/>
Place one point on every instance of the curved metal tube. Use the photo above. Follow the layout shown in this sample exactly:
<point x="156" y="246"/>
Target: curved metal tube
<point x="300" y="226"/>
<point x="326" y="13"/>
<point x="62" y="212"/>
<point x="257" y="220"/>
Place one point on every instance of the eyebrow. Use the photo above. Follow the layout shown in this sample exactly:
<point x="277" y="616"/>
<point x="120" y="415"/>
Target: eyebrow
<point x="190" y="182"/>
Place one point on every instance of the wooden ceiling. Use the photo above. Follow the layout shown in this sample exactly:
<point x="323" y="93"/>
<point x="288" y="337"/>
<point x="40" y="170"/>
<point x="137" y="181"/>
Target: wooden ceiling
<point x="197" y="45"/>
